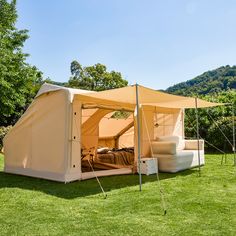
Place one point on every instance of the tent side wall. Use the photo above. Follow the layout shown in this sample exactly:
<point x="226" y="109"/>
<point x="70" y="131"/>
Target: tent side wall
<point x="127" y="139"/>
<point x="37" y="146"/>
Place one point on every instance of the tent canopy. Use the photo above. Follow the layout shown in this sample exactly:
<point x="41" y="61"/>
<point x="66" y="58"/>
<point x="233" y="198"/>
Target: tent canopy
<point x="126" y="96"/>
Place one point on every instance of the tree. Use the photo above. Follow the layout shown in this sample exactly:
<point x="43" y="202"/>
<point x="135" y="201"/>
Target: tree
<point x="208" y="118"/>
<point x="18" y="80"/>
<point x="223" y="124"/>
<point x="95" y="78"/>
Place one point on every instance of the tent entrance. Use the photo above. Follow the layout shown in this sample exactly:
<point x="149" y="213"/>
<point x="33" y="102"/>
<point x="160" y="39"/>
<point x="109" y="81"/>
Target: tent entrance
<point x="107" y="142"/>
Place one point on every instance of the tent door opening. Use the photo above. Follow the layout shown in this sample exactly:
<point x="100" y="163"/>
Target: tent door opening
<point x="107" y="141"/>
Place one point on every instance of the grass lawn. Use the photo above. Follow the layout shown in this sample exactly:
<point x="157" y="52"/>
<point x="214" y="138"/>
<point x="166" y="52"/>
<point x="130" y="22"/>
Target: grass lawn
<point x="203" y="205"/>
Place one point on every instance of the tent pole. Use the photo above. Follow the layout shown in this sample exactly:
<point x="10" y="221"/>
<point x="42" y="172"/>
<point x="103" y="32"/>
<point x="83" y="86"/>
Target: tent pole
<point x="139" y="143"/>
<point x="234" y="134"/>
<point x="198" y="142"/>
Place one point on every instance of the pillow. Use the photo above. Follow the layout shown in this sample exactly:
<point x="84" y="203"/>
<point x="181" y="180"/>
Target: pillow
<point x="180" y="143"/>
<point x="164" y="148"/>
<point x="103" y="150"/>
<point x="193" y="144"/>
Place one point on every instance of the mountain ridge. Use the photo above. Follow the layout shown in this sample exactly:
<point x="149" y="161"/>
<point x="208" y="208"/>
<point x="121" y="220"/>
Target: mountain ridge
<point x="209" y="82"/>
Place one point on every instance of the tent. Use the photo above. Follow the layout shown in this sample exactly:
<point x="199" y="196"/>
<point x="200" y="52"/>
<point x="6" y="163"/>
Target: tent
<point x="47" y="141"/>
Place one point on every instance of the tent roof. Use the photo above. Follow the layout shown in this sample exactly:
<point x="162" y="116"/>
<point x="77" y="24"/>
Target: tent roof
<point x="46" y="88"/>
<point x="126" y="97"/>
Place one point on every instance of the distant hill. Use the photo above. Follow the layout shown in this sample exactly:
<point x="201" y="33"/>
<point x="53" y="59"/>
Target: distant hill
<point x="64" y="84"/>
<point x="210" y="82"/>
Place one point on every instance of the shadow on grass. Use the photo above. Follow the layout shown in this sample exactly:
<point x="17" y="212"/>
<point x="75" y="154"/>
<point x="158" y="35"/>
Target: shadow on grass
<point x="80" y="188"/>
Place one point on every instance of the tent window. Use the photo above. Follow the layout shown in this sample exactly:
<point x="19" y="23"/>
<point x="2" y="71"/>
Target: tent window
<point x="121" y="115"/>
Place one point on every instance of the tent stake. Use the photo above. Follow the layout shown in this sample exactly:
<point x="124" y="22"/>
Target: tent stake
<point x="198" y="142"/>
<point x="139" y="147"/>
<point x="233" y="134"/>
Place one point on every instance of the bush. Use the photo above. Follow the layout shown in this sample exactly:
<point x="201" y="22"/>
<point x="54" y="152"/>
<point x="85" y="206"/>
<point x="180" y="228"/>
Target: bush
<point x="215" y="136"/>
<point x="3" y="131"/>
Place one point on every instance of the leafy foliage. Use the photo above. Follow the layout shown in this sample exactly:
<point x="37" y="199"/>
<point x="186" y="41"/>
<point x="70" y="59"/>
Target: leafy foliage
<point x="223" y="124"/>
<point x="210" y="82"/>
<point x="95" y="78"/>
<point x="18" y="80"/>
<point x="3" y="132"/>
<point x="208" y="130"/>
<point x="48" y="80"/>
<point x="121" y="115"/>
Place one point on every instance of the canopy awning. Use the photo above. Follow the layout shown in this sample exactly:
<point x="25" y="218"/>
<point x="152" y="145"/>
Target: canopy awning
<point x="126" y="97"/>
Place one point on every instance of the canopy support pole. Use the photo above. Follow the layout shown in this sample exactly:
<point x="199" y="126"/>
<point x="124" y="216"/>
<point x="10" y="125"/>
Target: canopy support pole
<point x="233" y="114"/>
<point x="198" y="141"/>
<point x="139" y="143"/>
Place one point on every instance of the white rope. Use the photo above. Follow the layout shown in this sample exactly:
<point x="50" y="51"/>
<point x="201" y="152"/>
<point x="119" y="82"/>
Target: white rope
<point x="207" y="141"/>
<point x="104" y="193"/>
<point x="157" y="172"/>
<point x="224" y="154"/>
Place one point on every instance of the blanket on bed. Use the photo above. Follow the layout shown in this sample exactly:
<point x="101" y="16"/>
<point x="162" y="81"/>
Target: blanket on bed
<point x="123" y="158"/>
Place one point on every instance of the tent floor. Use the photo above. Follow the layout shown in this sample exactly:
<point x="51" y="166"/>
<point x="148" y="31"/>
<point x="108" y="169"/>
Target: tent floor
<point x="122" y="171"/>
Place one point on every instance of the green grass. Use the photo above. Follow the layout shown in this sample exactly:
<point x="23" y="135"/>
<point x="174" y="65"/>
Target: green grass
<point x="203" y="205"/>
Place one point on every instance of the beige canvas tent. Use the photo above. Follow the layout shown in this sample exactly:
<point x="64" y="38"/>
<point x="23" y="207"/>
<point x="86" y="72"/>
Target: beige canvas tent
<point x="49" y="139"/>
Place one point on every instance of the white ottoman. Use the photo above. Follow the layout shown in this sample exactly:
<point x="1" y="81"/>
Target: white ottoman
<point x="148" y="166"/>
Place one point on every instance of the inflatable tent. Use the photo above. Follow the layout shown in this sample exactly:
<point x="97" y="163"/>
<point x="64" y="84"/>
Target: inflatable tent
<point x="50" y="138"/>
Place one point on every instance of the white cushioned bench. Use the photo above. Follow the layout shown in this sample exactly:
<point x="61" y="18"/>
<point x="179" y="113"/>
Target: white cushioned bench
<point x="175" y="154"/>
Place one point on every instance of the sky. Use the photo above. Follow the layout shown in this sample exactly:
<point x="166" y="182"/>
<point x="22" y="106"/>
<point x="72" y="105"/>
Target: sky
<point x="156" y="43"/>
